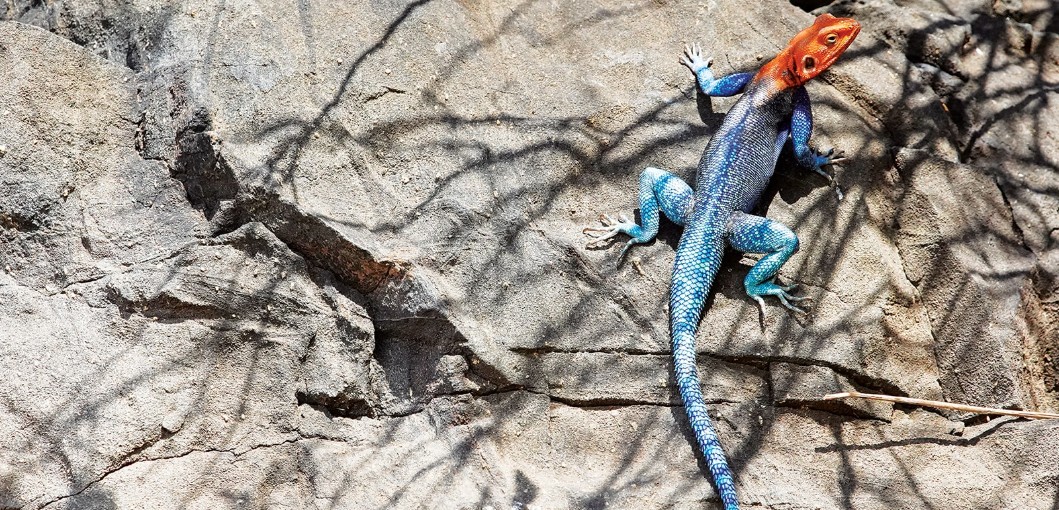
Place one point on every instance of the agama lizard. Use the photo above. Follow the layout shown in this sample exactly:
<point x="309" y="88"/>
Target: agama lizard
<point x="733" y="172"/>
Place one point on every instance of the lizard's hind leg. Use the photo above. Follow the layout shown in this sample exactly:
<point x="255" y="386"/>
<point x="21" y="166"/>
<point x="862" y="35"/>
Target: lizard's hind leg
<point x="659" y="191"/>
<point x="754" y="234"/>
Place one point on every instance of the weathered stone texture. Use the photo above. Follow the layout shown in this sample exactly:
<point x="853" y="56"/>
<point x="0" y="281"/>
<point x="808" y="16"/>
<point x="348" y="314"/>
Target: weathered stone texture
<point x="329" y="255"/>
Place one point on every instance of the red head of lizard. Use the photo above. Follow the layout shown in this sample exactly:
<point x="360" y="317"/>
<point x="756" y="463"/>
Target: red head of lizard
<point x="811" y="51"/>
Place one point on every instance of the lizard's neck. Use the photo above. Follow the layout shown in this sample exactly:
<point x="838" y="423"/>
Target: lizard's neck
<point x="770" y="84"/>
<point x="779" y="73"/>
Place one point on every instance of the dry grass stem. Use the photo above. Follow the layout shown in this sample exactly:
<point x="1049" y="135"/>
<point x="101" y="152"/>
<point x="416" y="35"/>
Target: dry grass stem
<point x="943" y="405"/>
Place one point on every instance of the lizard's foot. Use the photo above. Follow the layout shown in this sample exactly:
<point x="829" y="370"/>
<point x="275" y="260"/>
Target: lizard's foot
<point x="783" y="293"/>
<point x="611" y="228"/>
<point x="828" y="158"/>
<point x="694" y="60"/>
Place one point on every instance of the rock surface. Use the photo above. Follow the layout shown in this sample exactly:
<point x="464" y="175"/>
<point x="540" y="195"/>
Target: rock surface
<point x="329" y="256"/>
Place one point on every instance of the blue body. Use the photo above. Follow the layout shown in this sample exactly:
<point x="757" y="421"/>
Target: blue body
<point x="733" y="172"/>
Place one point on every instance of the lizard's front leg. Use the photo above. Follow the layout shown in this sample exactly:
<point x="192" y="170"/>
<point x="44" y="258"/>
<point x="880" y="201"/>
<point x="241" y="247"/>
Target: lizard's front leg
<point x="717" y="87"/>
<point x="755" y="234"/>
<point x="659" y="191"/>
<point x="801" y="131"/>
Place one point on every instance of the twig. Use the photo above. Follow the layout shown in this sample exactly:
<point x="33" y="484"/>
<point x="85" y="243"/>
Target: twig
<point x="942" y="405"/>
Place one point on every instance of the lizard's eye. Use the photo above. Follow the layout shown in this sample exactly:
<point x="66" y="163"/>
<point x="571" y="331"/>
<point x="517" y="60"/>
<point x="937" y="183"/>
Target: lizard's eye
<point x="832" y="39"/>
<point x="809" y="63"/>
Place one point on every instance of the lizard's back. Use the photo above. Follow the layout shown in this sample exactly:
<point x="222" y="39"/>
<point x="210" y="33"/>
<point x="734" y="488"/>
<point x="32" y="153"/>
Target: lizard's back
<point x="739" y="160"/>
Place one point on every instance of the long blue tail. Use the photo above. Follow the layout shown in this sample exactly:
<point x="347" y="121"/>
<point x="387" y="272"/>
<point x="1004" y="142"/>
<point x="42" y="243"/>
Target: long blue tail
<point x="698" y="259"/>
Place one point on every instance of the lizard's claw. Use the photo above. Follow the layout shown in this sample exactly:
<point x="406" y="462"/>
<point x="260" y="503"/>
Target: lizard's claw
<point x="694" y="60"/>
<point x="828" y="158"/>
<point x="611" y="228"/>
<point x="781" y="292"/>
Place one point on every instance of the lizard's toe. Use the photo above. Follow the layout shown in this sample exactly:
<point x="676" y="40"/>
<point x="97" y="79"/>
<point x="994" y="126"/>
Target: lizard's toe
<point x="603" y="235"/>
<point x="609" y="229"/>
<point x="761" y="308"/>
<point x="780" y="292"/>
<point x="693" y="58"/>
<point x="784" y="300"/>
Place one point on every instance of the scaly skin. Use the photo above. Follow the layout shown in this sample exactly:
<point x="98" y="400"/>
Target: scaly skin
<point x="733" y="172"/>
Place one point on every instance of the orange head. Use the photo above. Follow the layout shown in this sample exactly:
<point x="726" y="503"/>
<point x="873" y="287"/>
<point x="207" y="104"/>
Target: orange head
<point x="811" y="51"/>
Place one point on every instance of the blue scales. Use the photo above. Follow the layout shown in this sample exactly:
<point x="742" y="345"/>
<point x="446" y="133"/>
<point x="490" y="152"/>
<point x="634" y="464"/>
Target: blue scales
<point x="732" y="174"/>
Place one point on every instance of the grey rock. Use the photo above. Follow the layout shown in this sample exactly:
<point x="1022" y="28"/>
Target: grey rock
<point x="964" y="255"/>
<point x="587" y="379"/>
<point x="804" y="386"/>
<point x="330" y="256"/>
